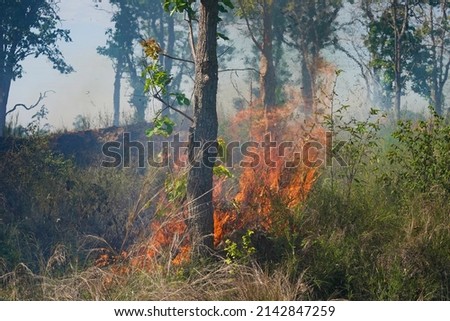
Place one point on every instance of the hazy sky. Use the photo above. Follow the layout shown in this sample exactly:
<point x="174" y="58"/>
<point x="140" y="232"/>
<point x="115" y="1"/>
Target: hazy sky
<point x="88" y="91"/>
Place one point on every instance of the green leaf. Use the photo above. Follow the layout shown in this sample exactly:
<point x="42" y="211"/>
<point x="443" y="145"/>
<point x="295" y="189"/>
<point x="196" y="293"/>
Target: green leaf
<point x="222" y="171"/>
<point x="222" y="36"/>
<point x="228" y="3"/>
<point x="163" y="126"/>
<point x="181" y="99"/>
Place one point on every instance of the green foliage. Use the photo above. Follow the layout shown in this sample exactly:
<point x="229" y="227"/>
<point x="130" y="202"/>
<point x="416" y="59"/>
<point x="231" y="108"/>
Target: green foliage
<point x="380" y="42"/>
<point x="313" y="25"/>
<point x="181" y="99"/>
<point x="421" y="155"/>
<point x="161" y="126"/>
<point x="222" y="171"/>
<point x="156" y="79"/>
<point x="46" y="202"/>
<point x="175" y="187"/>
<point x="360" y="139"/>
<point x="31" y="29"/>
<point x="219" y="170"/>
<point x="180" y="6"/>
<point x="81" y="122"/>
<point x="240" y="253"/>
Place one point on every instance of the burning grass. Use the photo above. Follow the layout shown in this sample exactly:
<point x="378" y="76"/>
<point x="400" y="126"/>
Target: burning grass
<point x="314" y="236"/>
<point x="284" y="172"/>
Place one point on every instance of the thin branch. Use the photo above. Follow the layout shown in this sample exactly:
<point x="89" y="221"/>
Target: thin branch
<point x="257" y="44"/>
<point x="41" y="97"/>
<point x="176" y="58"/>
<point x="225" y="51"/>
<point x="236" y="88"/>
<point x="191" y="37"/>
<point x="157" y="97"/>
<point x="362" y="67"/>
<point x="240" y="69"/>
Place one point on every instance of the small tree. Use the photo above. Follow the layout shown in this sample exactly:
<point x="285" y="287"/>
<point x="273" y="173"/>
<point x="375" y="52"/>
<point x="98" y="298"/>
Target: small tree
<point x="27" y="28"/>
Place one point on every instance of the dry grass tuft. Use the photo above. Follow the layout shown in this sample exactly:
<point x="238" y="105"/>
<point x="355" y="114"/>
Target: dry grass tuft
<point x="218" y="281"/>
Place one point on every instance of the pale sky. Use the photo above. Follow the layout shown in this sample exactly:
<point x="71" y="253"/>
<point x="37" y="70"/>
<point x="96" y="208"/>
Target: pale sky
<point x="86" y="91"/>
<point x="89" y="90"/>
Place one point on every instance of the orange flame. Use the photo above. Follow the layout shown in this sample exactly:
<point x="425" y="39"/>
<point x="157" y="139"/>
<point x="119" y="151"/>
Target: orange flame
<point x="259" y="185"/>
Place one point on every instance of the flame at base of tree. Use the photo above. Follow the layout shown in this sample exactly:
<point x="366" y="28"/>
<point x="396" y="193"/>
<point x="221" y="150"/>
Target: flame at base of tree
<point x="283" y="175"/>
<point x="250" y="203"/>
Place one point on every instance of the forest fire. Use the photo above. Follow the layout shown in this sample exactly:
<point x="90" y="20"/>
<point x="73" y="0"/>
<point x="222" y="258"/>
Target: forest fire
<point x="277" y="177"/>
<point x="286" y="175"/>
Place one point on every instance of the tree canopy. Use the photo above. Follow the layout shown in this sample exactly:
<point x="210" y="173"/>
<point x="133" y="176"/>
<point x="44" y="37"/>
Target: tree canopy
<point x="28" y="28"/>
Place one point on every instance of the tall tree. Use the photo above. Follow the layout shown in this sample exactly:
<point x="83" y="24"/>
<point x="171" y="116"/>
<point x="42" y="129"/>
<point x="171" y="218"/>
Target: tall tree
<point x="27" y="28"/>
<point x="349" y="39"/>
<point x="202" y="147"/>
<point x="135" y="20"/>
<point x="399" y="22"/>
<point x="396" y="48"/>
<point x="258" y="16"/>
<point x="119" y="48"/>
<point x="204" y="129"/>
<point x="310" y="29"/>
<point x="430" y="77"/>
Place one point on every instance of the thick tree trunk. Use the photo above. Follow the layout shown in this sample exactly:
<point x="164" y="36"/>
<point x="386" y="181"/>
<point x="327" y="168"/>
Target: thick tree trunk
<point x="204" y="129"/>
<point x="438" y="102"/>
<point x="5" y="85"/>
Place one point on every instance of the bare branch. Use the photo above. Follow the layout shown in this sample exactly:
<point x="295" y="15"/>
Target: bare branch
<point x="257" y="44"/>
<point x="42" y="96"/>
<point x="157" y="97"/>
<point x="363" y="68"/>
<point x="236" y="88"/>
<point x="176" y="58"/>
<point x="191" y="37"/>
<point x="240" y="69"/>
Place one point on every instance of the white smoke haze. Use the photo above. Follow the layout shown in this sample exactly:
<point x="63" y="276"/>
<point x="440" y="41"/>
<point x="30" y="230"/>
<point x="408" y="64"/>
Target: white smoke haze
<point x="89" y="90"/>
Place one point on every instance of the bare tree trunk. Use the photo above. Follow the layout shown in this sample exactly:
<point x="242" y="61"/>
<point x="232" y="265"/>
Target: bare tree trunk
<point x="399" y="32"/>
<point x="439" y="73"/>
<point x="138" y="100"/>
<point x="168" y="62"/>
<point x="307" y="88"/>
<point x="204" y="129"/>
<point x="438" y="101"/>
<point x="5" y="85"/>
<point x="116" y="94"/>
<point x="398" y="88"/>
<point x="267" y="79"/>
<point x="267" y="68"/>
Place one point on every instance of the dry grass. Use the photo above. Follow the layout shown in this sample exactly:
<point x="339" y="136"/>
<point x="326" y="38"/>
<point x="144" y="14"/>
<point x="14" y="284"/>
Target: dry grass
<point x="218" y="281"/>
<point x="214" y="282"/>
